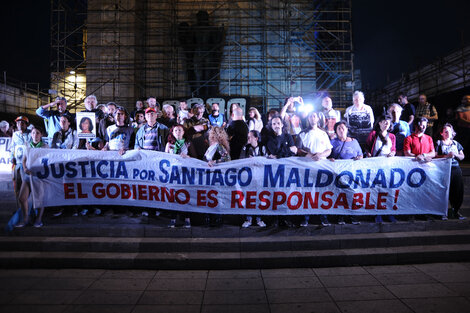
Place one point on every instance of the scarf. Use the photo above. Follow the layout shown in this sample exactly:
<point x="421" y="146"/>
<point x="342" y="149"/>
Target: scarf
<point x="178" y="145"/>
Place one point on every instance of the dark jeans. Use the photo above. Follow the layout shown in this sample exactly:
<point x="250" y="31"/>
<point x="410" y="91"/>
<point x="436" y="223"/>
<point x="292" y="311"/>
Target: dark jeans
<point x="456" y="188"/>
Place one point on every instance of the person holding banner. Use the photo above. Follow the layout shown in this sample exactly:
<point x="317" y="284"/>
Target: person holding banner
<point x="196" y="127"/>
<point x="178" y="144"/>
<point x="448" y="148"/>
<point x="381" y="142"/>
<point x="20" y="140"/>
<point x="345" y="148"/>
<point x="218" y="152"/>
<point x="314" y="143"/>
<point x="253" y="149"/>
<point x="418" y="144"/>
<point x="66" y="137"/>
<point x="121" y="134"/>
<point x="279" y="144"/>
<point x="25" y="190"/>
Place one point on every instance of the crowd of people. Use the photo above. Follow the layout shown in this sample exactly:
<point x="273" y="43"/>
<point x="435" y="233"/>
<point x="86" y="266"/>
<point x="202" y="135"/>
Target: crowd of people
<point x="205" y="133"/>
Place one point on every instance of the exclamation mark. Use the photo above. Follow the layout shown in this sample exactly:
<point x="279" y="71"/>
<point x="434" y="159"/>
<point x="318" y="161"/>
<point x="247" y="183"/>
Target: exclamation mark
<point x="397" y="192"/>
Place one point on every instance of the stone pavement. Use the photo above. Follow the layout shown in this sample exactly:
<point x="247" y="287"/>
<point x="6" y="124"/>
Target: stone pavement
<point x="435" y="287"/>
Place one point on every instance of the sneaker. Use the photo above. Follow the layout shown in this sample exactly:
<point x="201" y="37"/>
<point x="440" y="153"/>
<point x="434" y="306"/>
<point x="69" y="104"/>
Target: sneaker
<point x="38" y="225"/>
<point x="378" y="219"/>
<point x="341" y="220"/>
<point x="157" y="213"/>
<point x="97" y="211"/>
<point x="187" y="224"/>
<point x="304" y="223"/>
<point x="145" y="213"/>
<point x="83" y="212"/>
<point x="58" y="213"/>
<point x="459" y="216"/>
<point x="246" y="224"/>
<point x="355" y="221"/>
<point x="260" y="223"/>
<point x="392" y="219"/>
<point x="324" y="220"/>
<point x="444" y="218"/>
<point x="172" y="224"/>
<point x="20" y="225"/>
<point x="75" y="213"/>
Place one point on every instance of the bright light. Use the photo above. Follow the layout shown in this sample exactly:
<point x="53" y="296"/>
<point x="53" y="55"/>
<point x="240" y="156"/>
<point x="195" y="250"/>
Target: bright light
<point x="306" y="108"/>
<point x="72" y="72"/>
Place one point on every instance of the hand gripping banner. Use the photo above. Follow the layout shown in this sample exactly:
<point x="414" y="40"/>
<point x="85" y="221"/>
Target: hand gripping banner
<point x="255" y="186"/>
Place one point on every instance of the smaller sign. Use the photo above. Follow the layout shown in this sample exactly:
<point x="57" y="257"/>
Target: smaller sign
<point x="86" y="125"/>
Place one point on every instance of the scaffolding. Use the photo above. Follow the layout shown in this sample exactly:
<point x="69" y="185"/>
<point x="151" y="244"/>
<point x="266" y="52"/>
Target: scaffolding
<point x="262" y="50"/>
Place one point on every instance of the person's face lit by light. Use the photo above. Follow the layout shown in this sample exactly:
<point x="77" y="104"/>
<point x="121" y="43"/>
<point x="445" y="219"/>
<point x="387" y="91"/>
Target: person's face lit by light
<point x="327" y="103"/>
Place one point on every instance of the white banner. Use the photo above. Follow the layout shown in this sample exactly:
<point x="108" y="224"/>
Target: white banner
<point x="256" y="186"/>
<point x="5" y="155"/>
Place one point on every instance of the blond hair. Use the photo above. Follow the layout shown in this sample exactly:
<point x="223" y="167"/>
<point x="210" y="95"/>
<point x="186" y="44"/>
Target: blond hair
<point x="218" y="134"/>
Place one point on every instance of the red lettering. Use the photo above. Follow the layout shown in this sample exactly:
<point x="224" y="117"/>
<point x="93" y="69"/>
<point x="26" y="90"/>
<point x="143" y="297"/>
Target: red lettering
<point x="278" y="198"/>
<point x="358" y="201"/>
<point x="109" y="188"/>
<point x="142" y="192"/>
<point x="134" y="192"/>
<point x="299" y="200"/>
<point x="368" y="205"/>
<point x="181" y="191"/>
<point x="170" y="195"/>
<point x="153" y="193"/>
<point x="265" y="202"/>
<point x="211" y="195"/>
<point x="237" y="199"/>
<point x="328" y="201"/>
<point x="125" y="191"/>
<point x="250" y="200"/>
<point x="68" y="191"/>
<point x="381" y="199"/>
<point x="309" y="201"/>
<point x="341" y="201"/>
<point x="98" y="193"/>
<point x="80" y="193"/>
<point x="201" y="198"/>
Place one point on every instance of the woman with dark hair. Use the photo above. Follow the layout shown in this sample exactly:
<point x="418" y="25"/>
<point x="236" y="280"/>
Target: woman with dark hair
<point x="86" y="125"/>
<point x="177" y="141"/>
<point x="345" y="148"/>
<point x="381" y="142"/>
<point x="177" y="144"/>
<point x="448" y="148"/>
<point x="253" y="149"/>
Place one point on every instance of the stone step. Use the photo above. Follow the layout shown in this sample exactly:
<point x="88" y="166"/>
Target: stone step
<point x="235" y="260"/>
<point x="158" y="228"/>
<point x="248" y="244"/>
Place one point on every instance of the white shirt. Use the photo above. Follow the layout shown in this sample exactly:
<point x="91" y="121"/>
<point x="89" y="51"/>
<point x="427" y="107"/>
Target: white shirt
<point x="316" y="140"/>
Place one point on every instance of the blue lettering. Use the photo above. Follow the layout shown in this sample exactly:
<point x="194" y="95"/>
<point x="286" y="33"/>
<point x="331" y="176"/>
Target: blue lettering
<point x="70" y="168"/>
<point x="379" y="179"/>
<point x="248" y="178"/>
<point x="164" y="178"/>
<point x="340" y="182"/>
<point x="98" y="169"/>
<point x="320" y="174"/>
<point x="421" y="181"/>
<point x="294" y="178"/>
<point x="273" y="179"/>
<point x="401" y="173"/>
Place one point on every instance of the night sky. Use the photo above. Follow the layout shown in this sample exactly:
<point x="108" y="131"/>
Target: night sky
<point x="390" y="37"/>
